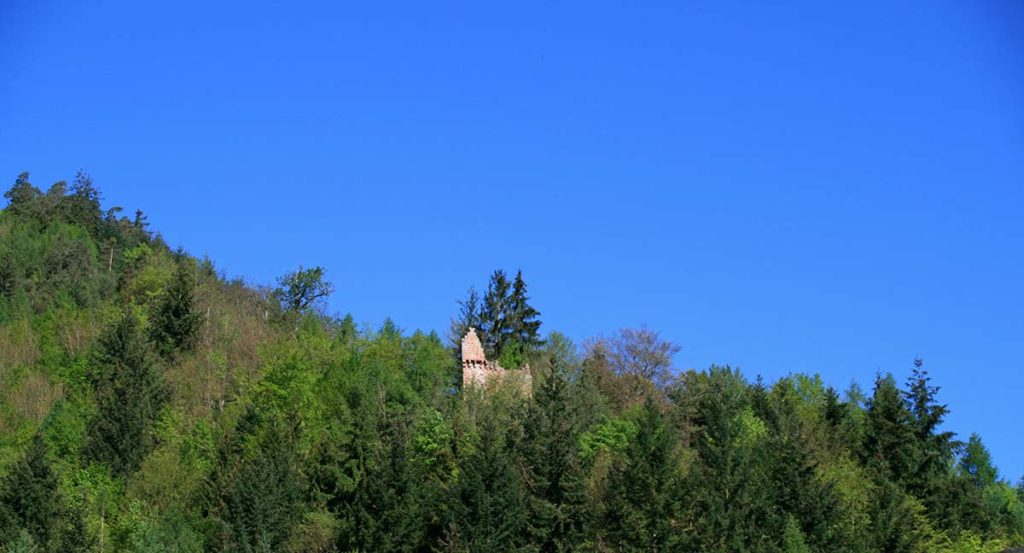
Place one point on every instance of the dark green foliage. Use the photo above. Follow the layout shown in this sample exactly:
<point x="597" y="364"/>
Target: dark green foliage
<point x="82" y="206"/>
<point x="889" y="436"/>
<point x="255" y="490"/>
<point x="522" y="318"/>
<point x="730" y="488"/>
<point x="489" y="508"/>
<point x="130" y="392"/>
<point x="73" y="535"/>
<point x="507" y="322"/>
<point x="641" y="511"/>
<point x="301" y="289"/>
<point x="552" y="467"/>
<point x="175" y="323"/>
<point x="28" y="497"/>
<point x="22" y="197"/>
<point x="976" y="463"/>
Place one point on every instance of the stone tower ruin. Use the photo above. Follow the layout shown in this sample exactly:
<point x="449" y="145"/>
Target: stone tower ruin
<point x="478" y="371"/>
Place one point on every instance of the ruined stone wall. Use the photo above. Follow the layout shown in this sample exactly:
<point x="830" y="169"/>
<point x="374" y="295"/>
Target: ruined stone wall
<point x="478" y="371"/>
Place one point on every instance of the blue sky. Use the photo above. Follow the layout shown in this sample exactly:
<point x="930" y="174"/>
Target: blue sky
<point x="784" y="188"/>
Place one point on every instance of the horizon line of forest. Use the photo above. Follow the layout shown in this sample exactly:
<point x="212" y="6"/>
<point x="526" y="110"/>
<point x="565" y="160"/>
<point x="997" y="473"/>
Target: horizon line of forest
<point x="150" y="404"/>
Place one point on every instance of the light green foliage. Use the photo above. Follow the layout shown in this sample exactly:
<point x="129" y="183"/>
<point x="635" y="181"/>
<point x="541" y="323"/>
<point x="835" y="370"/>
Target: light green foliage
<point x="969" y="542"/>
<point x="793" y="538"/>
<point x="751" y="431"/>
<point x="612" y="435"/>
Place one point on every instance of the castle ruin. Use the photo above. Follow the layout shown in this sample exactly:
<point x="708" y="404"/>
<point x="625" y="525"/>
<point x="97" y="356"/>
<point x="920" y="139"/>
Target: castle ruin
<point x="478" y="371"/>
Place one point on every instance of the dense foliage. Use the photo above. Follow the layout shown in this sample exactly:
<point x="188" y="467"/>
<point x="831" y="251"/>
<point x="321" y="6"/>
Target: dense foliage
<point x="149" y="404"/>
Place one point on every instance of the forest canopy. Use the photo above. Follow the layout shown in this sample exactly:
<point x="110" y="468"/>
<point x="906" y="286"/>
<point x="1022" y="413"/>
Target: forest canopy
<point x="150" y="404"/>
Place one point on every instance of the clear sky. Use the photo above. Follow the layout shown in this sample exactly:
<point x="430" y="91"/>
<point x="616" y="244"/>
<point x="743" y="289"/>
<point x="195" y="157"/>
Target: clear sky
<point x="783" y="187"/>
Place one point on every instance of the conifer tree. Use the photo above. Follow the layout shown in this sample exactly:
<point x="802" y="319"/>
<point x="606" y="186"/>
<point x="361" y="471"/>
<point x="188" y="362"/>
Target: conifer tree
<point x="82" y="205"/>
<point x="889" y="437"/>
<point x="642" y="488"/>
<point x="175" y="323"/>
<point x="523" y="323"/>
<point x="130" y="392"/>
<point x="976" y="463"/>
<point x="28" y="497"/>
<point x="494" y="324"/>
<point x="262" y="498"/>
<point x="469" y="316"/>
<point x="935" y="448"/>
<point x="553" y="472"/>
<point x="508" y="323"/>
<point x="489" y="509"/>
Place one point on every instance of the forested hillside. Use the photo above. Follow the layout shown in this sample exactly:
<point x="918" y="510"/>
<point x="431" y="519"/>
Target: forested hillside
<point x="149" y="404"/>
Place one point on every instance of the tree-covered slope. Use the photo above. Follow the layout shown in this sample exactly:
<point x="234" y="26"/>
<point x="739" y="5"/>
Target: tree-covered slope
<point x="149" y="404"/>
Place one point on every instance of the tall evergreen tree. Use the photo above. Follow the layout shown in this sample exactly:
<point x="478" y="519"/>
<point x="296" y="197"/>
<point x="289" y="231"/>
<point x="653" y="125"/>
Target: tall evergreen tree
<point x="489" y="504"/>
<point x="175" y="322"/>
<point x="643" y="488"/>
<point x="130" y="392"/>
<point x="935" y="447"/>
<point x="523" y="322"/>
<point x="508" y="323"/>
<point x="552" y="467"/>
<point x="976" y="463"/>
<point x="469" y="316"/>
<point x="28" y="497"/>
<point x="82" y="206"/>
<point x="260" y="496"/>
<point x="888" y="435"/>
<point x="494" y="325"/>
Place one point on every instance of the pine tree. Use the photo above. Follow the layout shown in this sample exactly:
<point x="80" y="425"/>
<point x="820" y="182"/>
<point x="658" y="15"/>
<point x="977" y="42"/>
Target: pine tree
<point x="469" y="316"/>
<point x="642" y="488"/>
<point x="28" y="497"/>
<point x="489" y="504"/>
<point x="523" y="323"/>
<point x="935" y="448"/>
<point x="494" y="325"/>
<point x="263" y="497"/>
<point x="889" y="434"/>
<point x="130" y="392"/>
<point x="175" y="323"/>
<point x="82" y="206"/>
<point x="976" y="463"/>
<point x="508" y="324"/>
<point x="553" y="472"/>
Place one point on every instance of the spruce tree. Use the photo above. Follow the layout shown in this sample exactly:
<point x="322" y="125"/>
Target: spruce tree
<point x="553" y="471"/>
<point x="175" y="323"/>
<point x="130" y="392"/>
<point x="524" y="326"/>
<point x="642" y="488"/>
<point x="262" y="499"/>
<point x="468" y="317"/>
<point x="508" y="323"/>
<point x="889" y="434"/>
<point x="28" y="497"/>
<point x="494" y="325"/>
<point x="935" y="448"/>
<point x="489" y="510"/>
<point x="976" y="463"/>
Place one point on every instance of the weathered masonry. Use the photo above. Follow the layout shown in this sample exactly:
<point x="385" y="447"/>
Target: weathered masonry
<point x="478" y="371"/>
